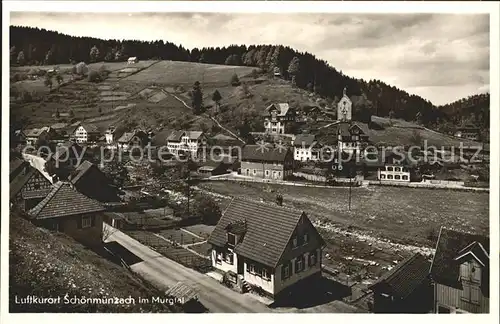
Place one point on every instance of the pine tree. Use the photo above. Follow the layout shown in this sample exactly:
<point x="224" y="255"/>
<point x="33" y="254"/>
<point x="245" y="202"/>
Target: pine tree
<point x="197" y="98"/>
<point x="94" y="54"/>
<point x="13" y="55"/>
<point x="216" y="97"/>
<point x="294" y="68"/>
<point x="20" y="58"/>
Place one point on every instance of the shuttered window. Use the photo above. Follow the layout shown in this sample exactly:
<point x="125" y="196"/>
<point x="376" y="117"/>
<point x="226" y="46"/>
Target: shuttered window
<point x="474" y="295"/>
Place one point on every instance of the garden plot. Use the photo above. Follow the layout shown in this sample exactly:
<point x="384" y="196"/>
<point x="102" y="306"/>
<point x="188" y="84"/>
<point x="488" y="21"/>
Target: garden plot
<point x="104" y="87"/>
<point x="180" y="236"/>
<point x="114" y="95"/>
<point x="157" y="97"/>
<point x="145" y="93"/>
<point x="127" y="106"/>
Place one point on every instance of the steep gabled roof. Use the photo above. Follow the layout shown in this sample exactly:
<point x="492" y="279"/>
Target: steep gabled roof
<point x="407" y="276"/>
<point x="35" y="132"/>
<point x="90" y="128"/>
<point x="475" y="250"/>
<point x="267" y="233"/>
<point x="20" y="181"/>
<point x="65" y="200"/>
<point x="82" y="169"/>
<point x="282" y="108"/>
<point x="445" y="268"/>
<point x="15" y="164"/>
<point x="194" y="135"/>
<point x="175" y="136"/>
<point x="126" y="137"/>
<point x="267" y="153"/>
<point x="304" y="140"/>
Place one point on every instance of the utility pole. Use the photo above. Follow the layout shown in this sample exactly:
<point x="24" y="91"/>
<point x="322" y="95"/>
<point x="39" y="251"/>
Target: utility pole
<point x="350" y="186"/>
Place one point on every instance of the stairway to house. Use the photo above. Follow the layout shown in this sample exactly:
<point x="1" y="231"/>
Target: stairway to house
<point x="245" y="287"/>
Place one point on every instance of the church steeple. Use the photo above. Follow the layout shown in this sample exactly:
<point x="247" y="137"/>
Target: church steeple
<point x="345" y="92"/>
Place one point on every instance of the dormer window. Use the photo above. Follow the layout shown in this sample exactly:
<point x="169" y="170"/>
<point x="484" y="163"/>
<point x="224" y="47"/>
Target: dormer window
<point x="306" y="238"/>
<point x="231" y="239"/>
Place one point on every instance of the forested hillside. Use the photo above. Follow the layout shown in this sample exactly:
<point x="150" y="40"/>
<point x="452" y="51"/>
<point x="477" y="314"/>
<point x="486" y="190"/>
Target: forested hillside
<point x="32" y="46"/>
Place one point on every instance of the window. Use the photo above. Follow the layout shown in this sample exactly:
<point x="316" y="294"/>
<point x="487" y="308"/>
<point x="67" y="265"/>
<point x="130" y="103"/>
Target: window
<point x="254" y="171"/>
<point x="86" y="221"/>
<point x="397" y="177"/>
<point x="265" y="274"/>
<point x="382" y="176"/>
<point x="286" y="271"/>
<point x="312" y="259"/>
<point x="389" y="168"/>
<point x="36" y="186"/>
<point x="299" y="264"/>
<point x="476" y="274"/>
<point x="294" y="242"/>
<point x="405" y="177"/>
<point x="405" y="169"/>
<point x="229" y="257"/>
<point x="251" y="267"/>
<point x="306" y="239"/>
<point x="389" y="176"/>
<point x="218" y="258"/>
<point x="474" y="294"/>
<point x="267" y="173"/>
<point x="231" y="239"/>
<point x="397" y="169"/>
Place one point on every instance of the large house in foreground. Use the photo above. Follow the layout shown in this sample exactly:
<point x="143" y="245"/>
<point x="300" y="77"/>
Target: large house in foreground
<point x="266" y="161"/>
<point x="266" y="247"/>
<point x="66" y="210"/>
<point x="460" y="271"/>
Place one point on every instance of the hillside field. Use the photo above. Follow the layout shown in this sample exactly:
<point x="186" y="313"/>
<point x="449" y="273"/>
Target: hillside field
<point x="156" y="94"/>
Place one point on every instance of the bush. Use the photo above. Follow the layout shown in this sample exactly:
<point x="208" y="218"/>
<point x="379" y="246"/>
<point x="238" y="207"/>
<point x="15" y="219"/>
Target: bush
<point x="235" y="81"/>
<point x="94" y="76"/>
<point x="81" y="69"/>
<point x="37" y="72"/>
<point x="19" y="77"/>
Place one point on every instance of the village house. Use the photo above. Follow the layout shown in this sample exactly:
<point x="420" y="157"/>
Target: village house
<point x="66" y="159"/>
<point x="267" y="162"/>
<point x="469" y="132"/>
<point x="17" y="166"/>
<point x="397" y="167"/>
<point x="132" y="60"/>
<point x="460" y="271"/>
<point x="305" y="148"/>
<point x="221" y="164"/>
<point x="86" y="133"/>
<point x="37" y="135"/>
<point x="19" y="138"/>
<point x="108" y="135"/>
<point x="350" y="137"/>
<point x="278" y="117"/>
<point x="266" y="247"/>
<point x="93" y="183"/>
<point x="186" y="142"/>
<point x="66" y="210"/>
<point x="224" y="144"/>
<point x="129" y="140"/>
<point x="406" y="288"/>
<point x="344" y="108"/>
<point x="28" y="186"/>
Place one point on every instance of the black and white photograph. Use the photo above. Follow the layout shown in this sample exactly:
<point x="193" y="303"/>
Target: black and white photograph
<point x="226" y="157"/>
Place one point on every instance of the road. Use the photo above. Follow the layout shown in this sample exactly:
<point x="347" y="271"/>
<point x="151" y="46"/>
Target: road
<point x="163" y="272"/>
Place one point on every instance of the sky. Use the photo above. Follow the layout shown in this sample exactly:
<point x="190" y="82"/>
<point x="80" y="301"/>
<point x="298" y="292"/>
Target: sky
<point x="441" y="57"/>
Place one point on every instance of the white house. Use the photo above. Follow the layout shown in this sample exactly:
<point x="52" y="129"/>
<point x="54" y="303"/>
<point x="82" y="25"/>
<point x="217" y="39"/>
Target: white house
<point x="344" y="108"/>
<point x="86" y="133"/>
<point x="186" y="142"/>
<point x="396" y="168"/>
<point x="266" y="247"/>
<point x="132" y="60"/>
<point x="305" y="148"/>
<point x="278" y="117"/>
<point x="350" y="137"/>
<point x="108" y="135"/>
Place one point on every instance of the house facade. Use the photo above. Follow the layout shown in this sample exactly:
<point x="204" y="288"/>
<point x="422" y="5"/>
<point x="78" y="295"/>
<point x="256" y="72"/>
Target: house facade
<point x="186" y="142"/>
<point x="350" y="137"/>
<point x="132" y="60"/>
<point x="344" y="108"/>
<point x="460" y="272"/>
<point x="266" y="247"/>
<point x="37" y="134"/>
<point x="66" y="210"/>
<point x="86" y="133"/>
<point x="108" y="135"/>
<point x="266" y="162"/>
<point x="470" y="132"/>
<point x="277" y="117"/>
<point x="28" y="187"/>
<point x="130" y="140"/>
<point x="305" y="148"/>
<point x="398" y="168"/>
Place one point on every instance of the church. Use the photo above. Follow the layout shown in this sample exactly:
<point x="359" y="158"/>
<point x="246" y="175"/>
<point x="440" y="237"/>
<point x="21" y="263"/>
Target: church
<point x="344" y="108"/>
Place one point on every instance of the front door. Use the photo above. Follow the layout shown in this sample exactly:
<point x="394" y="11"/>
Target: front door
<point x="240" y="265"/>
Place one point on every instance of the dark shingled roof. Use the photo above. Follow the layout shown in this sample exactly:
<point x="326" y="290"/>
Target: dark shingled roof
<point x="304" y="139"/>
<point x="182" y="292"/>
<point x="407" y="276"/>
<point x="268" y="229"/>
<point x="42" y="193"/>
<point x="445" y="269"/>
<point x="64" y="200"/>
<point x="90" y="128"/>
<point x="259" y="153"/>
<point x="80" y="171"/>
<point x="175" y="136"/>
<point x="15" y="164"/>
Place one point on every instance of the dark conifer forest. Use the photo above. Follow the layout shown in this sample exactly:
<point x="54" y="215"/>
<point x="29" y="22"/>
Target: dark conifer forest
<point x="33" y="46"/>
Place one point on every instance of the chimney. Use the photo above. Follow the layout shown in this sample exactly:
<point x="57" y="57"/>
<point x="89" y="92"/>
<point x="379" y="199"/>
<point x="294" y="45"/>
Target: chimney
<point x="279" y="200"/>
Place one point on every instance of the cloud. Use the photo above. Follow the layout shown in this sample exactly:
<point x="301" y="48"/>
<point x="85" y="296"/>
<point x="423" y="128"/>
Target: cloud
<point x="441" y="57"/>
